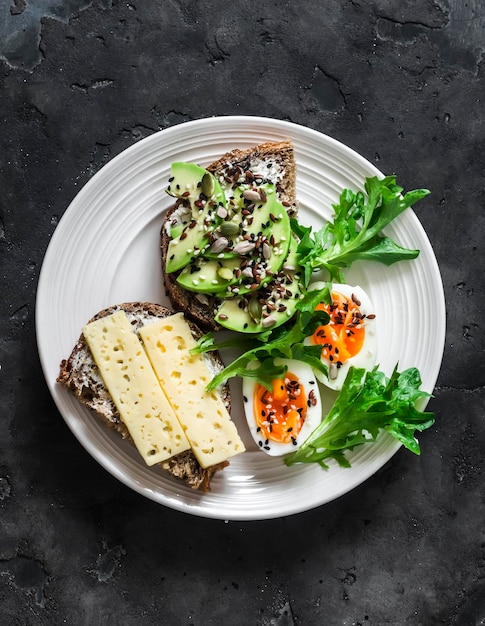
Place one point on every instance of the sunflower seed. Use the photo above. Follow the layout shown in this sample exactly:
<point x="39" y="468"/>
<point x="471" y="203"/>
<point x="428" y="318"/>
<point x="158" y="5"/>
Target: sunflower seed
<point x="219" y="245"/>
<point x="251" y="195"/>
<point x="266" y="251"/>
<point x="243" y="247"/>
<point x="202" y="298"/>
<point x="332" y="371"/>
<point x="268" y="321"/>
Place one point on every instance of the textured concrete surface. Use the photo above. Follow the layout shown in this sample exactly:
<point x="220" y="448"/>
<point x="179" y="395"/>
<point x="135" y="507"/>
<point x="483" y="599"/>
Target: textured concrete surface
<point x="400" y="82"/>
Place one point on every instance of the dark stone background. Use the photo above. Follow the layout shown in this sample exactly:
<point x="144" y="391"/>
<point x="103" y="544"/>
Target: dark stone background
<point x="400" y="82"/>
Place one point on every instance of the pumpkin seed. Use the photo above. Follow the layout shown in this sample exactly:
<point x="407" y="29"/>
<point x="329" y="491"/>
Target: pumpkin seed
<point x="255" y="310"/>
<point x="207" y="186"/>
<point x="225" y="273"/>
<point x="229" y="229"/>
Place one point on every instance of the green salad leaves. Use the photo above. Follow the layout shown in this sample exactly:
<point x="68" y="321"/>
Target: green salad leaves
<point x="367" y="403"/>
<point x="354" y="233"/>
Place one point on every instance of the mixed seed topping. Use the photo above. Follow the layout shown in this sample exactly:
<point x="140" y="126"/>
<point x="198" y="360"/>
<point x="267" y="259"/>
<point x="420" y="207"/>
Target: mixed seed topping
<point x="248" y="236"/>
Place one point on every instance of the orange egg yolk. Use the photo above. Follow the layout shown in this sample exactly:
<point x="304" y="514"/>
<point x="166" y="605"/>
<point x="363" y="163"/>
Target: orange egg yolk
<point x="343" y="337"/>
<point x="281" y="412"/>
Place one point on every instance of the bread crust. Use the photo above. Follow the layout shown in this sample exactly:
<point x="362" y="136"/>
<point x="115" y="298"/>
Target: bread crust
<point x="280" y="155"/>
<point x="79" y="374"/>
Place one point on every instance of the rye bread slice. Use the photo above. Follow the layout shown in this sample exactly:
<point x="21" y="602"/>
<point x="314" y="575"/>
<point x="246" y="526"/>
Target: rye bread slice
<point x="80" y="375"/>
<point x="272" y="162"/>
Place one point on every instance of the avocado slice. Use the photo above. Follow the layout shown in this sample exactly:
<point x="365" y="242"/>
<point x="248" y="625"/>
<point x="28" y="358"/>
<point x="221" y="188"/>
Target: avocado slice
<point x="235" y="313"/>
<point x="185" y="248"/>
<point x="192" y="184"/>
<point x="201" y="193"/>
<point x="209" y="276"/>
<point x="176" y="230"/>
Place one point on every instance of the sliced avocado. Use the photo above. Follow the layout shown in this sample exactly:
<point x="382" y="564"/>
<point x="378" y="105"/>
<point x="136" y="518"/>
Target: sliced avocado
<point x="209" y="275"/>
<point x="202" y="193"/>
<point x="193" y="183"/>
<point x="184" y="248"/>
<point x="291" y="263"/>
<point x="245" y="315"/>
<point x="176" y="231"/>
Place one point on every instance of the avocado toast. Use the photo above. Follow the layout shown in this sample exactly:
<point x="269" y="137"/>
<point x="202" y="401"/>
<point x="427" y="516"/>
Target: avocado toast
<point x="226" y="244"/>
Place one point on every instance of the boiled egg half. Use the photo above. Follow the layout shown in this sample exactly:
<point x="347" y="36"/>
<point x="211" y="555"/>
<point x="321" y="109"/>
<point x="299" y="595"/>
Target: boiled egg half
<point x="282" y="418"/>
<point x="350" y="337"/>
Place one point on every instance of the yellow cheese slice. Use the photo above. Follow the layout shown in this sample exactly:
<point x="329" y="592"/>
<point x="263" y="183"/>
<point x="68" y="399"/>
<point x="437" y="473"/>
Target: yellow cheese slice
<point x="134" y="388"/>
<point x="206" y="421"/>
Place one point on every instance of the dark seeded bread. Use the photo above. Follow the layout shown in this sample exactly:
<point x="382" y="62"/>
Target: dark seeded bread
<point x="282" y="172"/>
<point x="80" y="375"/>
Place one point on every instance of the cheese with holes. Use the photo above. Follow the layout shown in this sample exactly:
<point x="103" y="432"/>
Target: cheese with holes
<point x="134" y="388"/>
<point x="211" y="432"/>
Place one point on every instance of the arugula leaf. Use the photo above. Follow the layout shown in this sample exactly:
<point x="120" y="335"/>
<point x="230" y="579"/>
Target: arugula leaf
<point x="278" y="347"/>
<point x="207" y="342"/>
<point x="367" y="403"/>
<point x="310" y="355"/>
<point x="354" y="234"/>
<point x="266" y="372"/>
<point x="204" y="344"/>
<point x="382" y="249"/>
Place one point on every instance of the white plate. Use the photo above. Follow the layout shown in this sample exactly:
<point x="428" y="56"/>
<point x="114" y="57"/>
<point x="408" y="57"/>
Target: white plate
<point x="105" y="250"/>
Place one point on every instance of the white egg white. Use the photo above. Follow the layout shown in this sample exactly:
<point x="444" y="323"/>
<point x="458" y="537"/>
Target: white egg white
<point x="366" y="358"/>
<point x="307" y="380"/>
